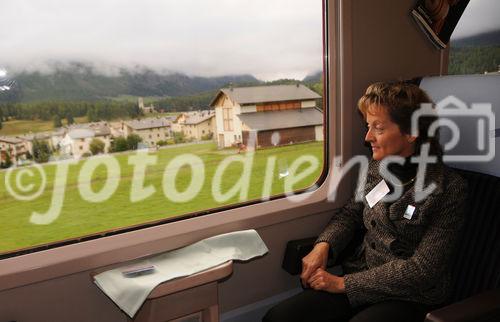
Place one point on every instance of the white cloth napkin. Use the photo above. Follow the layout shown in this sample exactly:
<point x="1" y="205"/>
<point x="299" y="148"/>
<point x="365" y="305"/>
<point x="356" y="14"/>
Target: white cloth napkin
<point x="130" y="293"/>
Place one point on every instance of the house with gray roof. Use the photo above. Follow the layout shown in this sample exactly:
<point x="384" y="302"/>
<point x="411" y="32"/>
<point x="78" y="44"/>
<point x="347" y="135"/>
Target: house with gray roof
<point x="151" y="130"/>
<point x="199" y="125"/>
<point x="29" y="138"/>
<point x="267" y="115"/>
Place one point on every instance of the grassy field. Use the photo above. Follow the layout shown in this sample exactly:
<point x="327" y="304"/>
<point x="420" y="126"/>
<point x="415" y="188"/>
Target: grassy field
<point x="79" y="217"/>
<point x="16" y="127"/>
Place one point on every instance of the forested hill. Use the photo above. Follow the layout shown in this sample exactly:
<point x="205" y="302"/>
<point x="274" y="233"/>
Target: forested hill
<point x="476" y="54"/>
<point x="313" y="78"/>
<point x="80" y="82"/>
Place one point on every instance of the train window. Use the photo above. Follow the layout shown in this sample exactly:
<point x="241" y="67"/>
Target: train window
<point x="233" y="89"/>
<point x="475" y="43"/>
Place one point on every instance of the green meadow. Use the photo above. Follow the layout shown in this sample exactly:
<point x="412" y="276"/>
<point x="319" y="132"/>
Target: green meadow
<point x="79" y="217"/>
<point x="18" y="127"/>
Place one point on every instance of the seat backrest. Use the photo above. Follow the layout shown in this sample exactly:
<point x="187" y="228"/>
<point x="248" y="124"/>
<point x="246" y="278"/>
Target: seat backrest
<point x="476" y="266"/>
<point x="472" y="90"/>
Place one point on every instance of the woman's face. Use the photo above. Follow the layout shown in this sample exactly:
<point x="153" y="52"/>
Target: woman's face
<point x="384" y="135"/>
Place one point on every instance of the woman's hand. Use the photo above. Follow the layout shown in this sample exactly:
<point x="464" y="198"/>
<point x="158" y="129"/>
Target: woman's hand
<point x="317" y="258"/>
<point x="321" y="280"/>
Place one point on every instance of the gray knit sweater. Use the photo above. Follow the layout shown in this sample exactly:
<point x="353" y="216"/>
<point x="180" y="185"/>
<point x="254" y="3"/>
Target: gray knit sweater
<point x="403" y="259"/>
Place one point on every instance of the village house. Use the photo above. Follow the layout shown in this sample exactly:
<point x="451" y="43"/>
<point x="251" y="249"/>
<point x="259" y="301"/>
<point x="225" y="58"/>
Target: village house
<point x="193" y="121"/>
<point x="41" y="137"/>
<point x="151" y="130"/>
<point x="14" y="147"/>
<point x="117" y="129"/>
<point x="267" y="115"/>
<point x="178" y="123"/>
<point x="77" y="140"/>
<point x="200" y="125"/>
<point x="180" y="120"/>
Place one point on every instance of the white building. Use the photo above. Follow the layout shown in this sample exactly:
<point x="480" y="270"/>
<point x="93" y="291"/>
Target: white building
<point x="77" y="140"/>
<point x="58" y="136"/>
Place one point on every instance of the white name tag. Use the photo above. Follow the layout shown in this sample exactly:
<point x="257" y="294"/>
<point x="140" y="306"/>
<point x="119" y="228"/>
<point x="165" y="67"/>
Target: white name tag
<point x="377" y="193"/>
<point x="409" y="212"/>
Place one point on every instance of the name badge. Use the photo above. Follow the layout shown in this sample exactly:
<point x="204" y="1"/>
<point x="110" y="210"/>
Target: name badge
<point x="377" y="193"/>
<point x="409" y="212"/>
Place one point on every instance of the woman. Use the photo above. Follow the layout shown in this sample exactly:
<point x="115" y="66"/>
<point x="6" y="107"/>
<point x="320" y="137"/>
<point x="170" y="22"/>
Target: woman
<point x="401" y="269"/>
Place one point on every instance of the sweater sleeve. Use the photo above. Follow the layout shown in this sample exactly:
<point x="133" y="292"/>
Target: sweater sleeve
<point x="340" y="230"/>
<point x="406" y="278"/>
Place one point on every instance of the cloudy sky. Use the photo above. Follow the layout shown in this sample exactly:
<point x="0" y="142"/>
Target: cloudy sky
<point x="267" y="38"/>
<point x="479" y="16"/>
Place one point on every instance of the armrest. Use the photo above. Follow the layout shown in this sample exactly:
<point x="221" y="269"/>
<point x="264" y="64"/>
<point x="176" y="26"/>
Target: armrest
<point x="482" y="307"/>
<point x="298" y="248"/>
<point x="294" y="252"/>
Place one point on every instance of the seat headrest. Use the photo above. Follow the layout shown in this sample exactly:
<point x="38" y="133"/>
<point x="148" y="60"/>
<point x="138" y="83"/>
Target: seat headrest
<point x="478" y="138"/>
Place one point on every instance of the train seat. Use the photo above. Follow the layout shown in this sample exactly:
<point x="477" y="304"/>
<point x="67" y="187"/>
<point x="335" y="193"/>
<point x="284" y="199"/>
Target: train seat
<point x="476" y="269"/>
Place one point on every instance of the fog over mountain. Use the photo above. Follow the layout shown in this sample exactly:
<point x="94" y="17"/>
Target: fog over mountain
<point x="79" y="81"/>
<point x="491" y="38"/>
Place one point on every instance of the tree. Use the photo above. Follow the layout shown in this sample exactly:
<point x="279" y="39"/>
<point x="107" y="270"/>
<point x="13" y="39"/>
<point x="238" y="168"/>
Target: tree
<point x="162" y="143"/>
<point x="179" y="137"/>
<point x="96" y="146"/>
<point x="92" y="115"/>
<point x="57" y="121"/>
<point x="7" y="163"/>
<point x="133" y="141"/>
<point x="119" y="144"/>
<point x="41" y="151"/>
<point x="69" y="118"/>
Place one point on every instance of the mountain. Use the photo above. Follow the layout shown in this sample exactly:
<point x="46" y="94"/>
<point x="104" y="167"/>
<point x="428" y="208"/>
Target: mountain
<point x="78" y="81"/>
<point x="491" y="38"/>
<point x="313" y="78"/>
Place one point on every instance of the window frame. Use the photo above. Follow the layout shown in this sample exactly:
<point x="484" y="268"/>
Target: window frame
<point x="125" y="246"/>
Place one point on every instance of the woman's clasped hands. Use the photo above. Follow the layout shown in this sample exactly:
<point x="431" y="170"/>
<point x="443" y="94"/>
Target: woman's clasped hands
<point x="314" y="274"/>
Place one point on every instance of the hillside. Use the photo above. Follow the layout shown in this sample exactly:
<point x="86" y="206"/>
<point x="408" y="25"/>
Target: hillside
<point x="476" y="54"/>
<point x="81" y="82"/>
<point x="313" y="78"/>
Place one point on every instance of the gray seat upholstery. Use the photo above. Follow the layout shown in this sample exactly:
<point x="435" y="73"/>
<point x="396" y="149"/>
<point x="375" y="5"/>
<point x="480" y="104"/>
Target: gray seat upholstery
<point x="471" y="89"/>
<point x="476" y="267"/>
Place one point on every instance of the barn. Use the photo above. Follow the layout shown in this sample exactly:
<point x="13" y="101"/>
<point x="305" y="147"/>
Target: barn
<point x="267" y="115"/>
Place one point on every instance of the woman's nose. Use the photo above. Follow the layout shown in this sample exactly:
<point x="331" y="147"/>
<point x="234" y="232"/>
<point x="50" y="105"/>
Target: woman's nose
<point x="369" y="136"/>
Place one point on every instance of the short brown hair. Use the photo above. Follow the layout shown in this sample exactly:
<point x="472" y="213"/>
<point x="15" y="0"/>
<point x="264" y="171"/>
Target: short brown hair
<point x="401" y="100"/>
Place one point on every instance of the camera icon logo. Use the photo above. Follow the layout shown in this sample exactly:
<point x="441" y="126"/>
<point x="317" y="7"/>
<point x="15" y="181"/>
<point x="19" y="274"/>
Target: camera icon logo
<point x="473" y="127"/>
